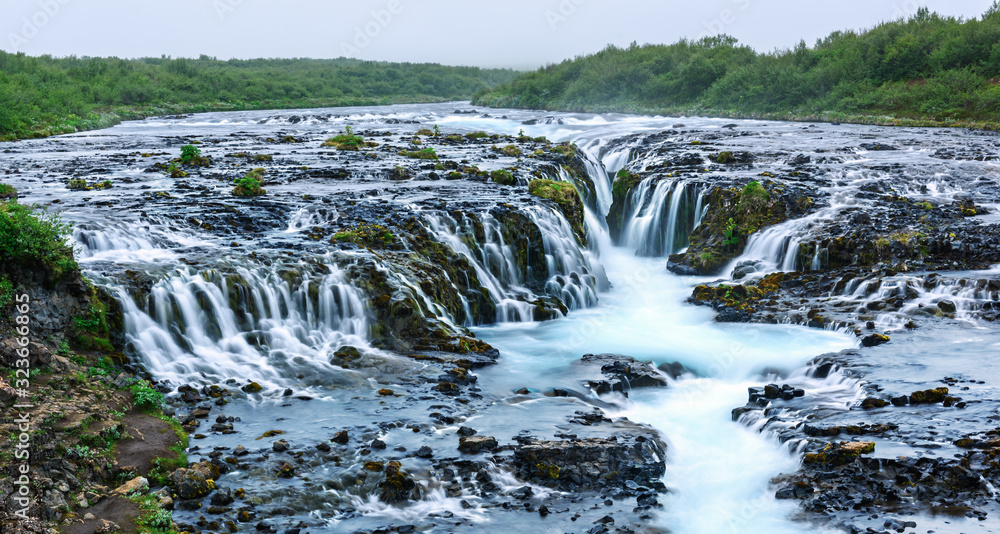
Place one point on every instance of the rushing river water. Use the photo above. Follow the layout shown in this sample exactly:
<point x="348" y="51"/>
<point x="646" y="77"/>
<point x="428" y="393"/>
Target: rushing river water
<point x="621" y="300"/>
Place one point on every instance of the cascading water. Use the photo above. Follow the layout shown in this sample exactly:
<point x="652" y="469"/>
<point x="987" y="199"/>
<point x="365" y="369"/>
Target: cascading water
<point x="195" y="326"/>
<point x="661" y="215"/>
<point x="572" y="275"/>
<point x="645" y="316"/>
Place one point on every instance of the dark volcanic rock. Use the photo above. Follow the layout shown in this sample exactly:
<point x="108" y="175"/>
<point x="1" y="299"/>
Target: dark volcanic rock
<point x="591" y="464"/>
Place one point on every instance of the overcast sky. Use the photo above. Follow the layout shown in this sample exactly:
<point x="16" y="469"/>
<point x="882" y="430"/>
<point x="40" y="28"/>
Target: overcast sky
<point x="509" y="33"/>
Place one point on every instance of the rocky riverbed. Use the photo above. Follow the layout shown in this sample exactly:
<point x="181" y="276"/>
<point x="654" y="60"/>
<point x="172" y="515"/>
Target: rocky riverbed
<point x="441" y="319"/>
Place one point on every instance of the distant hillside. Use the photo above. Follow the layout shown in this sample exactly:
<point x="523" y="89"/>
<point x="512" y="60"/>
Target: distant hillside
<point x="44" y="95"/>
<point x="922" y="69"/>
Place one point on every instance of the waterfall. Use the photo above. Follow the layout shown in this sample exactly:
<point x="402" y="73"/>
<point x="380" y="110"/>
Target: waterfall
<point x="660" y="215"/>
<point x="248" y="323"/>
<point x="569" y="273"/>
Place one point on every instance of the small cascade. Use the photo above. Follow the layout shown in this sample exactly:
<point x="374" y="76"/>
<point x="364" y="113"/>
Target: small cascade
<point x="305" y="218"/>
<point x="513" y="285"/>
<point x="600" y="174"/>
<point x="660" y="215"/>
<point x="776" y="246"/>
<point x="572" y="277"/>
<point x="910" y="296"/>
<point x="263" y="324"/>
<point x="123" y="243"/>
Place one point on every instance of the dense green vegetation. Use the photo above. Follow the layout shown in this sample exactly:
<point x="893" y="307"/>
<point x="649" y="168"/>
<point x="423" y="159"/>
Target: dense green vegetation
<point x="45" y="95"/>
<point x="31" y="238"/>
<point x="925" y="68"/>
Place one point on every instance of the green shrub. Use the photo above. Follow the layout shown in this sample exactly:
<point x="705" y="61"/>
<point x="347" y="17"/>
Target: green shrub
<point x="144" y="396"/>
<point x="7" y="192"/>
<point x="6" y="292"/>
<point x="31" y="236"/>
<point x="189" y="153"/>
<point x="249" y="185"/>
<point x="346" y="141"/>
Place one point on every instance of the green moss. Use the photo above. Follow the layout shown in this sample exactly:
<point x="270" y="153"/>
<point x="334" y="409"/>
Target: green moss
<point x="78" y="184"/>
<point x="753" y="197"/>
<point x="565" y="149"/>
<point x="548" y="470"/>
<point x="503" y="177"/>
<point x="368" y="235"/>
<point x="477" y="135"/>
<point x="568" y="199"/>
<point x="512" y="151"/>
<point x="426" y="153"/>
<point x="249" y="185"/>
<point x="345" y="141"/>
<point x="734" y="216"/>
<point x="723" y="158"/>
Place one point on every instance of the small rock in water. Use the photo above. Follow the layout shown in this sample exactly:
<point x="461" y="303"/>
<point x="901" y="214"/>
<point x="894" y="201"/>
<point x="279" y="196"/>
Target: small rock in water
<point x="340" y="437"/>
<point x="425" y="452"/>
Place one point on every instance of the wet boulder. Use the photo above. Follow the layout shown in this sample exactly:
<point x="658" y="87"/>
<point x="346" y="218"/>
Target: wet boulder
<point x="396" y="485"/>
<point x="476" y="444"/>
<point x="591" y="464"/>
<point x="622" y="373"/>
<point x="929" y="396"/>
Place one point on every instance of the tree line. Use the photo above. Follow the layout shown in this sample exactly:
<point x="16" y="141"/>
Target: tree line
<point x="45" y="95"/>
<point x="925" y="66"/>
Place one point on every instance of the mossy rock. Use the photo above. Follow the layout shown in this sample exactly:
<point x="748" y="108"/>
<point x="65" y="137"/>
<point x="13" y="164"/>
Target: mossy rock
<point x="734" y="215"/>
<point x="929" y="396"/>
<point x="568" y="200"/>
<point x="369" y="235"/>
<point x="503" y="177"/>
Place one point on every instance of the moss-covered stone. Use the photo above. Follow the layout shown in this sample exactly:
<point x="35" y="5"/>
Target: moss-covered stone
<point x="929" y="396"/>
<point x="734" y="214"/>
<point x="568" y="200"/>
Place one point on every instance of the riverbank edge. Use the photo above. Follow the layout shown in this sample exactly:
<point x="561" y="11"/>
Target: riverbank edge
<point x="102" y="118"/>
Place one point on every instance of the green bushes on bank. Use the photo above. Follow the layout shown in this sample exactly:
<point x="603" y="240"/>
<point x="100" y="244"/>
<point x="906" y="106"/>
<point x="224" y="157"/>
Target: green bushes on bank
<point x="924" y="67"/>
